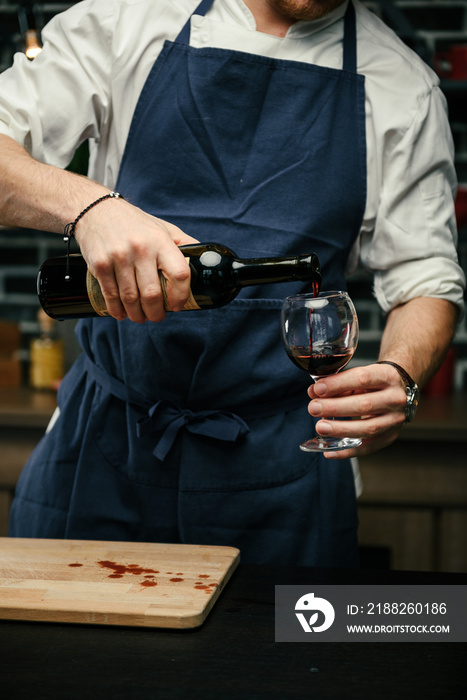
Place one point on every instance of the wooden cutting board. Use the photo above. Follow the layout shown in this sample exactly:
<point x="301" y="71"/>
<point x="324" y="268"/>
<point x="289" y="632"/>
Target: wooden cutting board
<point x="111" y="583"/>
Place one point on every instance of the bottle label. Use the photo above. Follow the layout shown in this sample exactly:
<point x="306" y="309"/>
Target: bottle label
<point x="95" y="295"/>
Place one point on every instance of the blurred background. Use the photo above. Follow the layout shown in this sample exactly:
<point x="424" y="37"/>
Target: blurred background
<point x="413" y="509"/>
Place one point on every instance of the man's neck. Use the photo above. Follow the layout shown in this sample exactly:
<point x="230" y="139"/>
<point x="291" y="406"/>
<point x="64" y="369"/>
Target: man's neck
<point x="277" y="16"/>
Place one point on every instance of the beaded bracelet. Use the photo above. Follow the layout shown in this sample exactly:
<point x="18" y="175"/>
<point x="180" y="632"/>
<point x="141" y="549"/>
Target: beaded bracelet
<point x="69" y="230"/>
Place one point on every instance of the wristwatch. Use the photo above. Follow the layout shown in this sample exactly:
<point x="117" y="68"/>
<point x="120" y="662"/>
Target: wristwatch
<point x="411" y="389"/>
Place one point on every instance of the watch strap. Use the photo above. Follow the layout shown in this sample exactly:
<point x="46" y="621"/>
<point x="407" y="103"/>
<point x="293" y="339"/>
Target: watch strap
<point x="405" y="375"/>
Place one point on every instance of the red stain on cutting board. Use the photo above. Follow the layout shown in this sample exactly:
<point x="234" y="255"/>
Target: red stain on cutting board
<point x="119" y="570"/>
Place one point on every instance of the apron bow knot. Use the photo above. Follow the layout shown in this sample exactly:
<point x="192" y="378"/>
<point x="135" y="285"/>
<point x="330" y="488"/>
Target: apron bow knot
<point x="167" y="418"/>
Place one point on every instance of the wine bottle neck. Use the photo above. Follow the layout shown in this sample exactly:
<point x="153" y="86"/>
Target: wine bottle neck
<point x="267" y="270"/>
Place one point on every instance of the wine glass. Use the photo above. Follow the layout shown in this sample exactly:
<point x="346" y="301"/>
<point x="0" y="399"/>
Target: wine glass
<point x="320" y="335"/>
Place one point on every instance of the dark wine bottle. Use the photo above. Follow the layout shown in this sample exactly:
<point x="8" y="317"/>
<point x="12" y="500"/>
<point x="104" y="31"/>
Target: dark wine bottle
<point x="217" y="276"/>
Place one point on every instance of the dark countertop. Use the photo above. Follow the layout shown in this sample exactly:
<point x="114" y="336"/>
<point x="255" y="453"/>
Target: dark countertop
<point x="26" y="408"/>
<point x="444" y="417"/>
<point x="233" y="656"/>
<point x="439" y="418"/>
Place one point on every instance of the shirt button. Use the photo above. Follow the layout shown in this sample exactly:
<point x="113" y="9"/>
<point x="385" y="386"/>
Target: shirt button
<point x="205" y="37"/>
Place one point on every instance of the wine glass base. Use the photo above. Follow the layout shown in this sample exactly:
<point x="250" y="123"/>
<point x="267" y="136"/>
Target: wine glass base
<point x="322" y="444"/>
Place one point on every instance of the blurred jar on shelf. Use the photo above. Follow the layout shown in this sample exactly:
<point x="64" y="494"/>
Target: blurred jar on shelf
<point x="46" y="354"/>
<point x="442" y="384"/>
<point x="452" y="63"/>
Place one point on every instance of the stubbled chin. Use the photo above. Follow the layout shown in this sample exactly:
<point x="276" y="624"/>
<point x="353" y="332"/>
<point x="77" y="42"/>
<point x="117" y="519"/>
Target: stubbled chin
<point x="304" y="9"/>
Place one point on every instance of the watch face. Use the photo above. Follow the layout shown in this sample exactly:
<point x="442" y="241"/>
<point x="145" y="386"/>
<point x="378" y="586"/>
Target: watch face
<point x="413" y="398"/>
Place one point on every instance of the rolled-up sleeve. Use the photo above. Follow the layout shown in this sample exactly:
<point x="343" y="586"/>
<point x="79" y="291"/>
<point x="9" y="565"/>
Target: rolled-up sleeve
<point x="52" y="104"/>
<point x="412" y="249"/>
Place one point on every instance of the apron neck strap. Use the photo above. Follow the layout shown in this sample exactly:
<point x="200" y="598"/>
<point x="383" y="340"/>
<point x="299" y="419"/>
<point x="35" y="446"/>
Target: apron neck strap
<point x="350" y="39"/>
<point x="184" y="36"/>
<point x="350" y="33"/>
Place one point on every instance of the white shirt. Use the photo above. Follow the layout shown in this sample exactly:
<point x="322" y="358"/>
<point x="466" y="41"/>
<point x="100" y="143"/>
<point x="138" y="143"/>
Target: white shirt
<point x="97" y="55"/>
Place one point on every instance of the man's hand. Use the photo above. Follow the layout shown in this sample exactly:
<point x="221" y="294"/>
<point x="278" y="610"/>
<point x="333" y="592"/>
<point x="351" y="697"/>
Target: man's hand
<point x="371" y="398"/>
<point x="125" y="249"/>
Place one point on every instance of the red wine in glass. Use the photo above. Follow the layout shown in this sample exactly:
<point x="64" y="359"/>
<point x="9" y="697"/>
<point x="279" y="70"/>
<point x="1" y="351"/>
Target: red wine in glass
<point x="320" y="335"/>
<point x="319" y="364"/>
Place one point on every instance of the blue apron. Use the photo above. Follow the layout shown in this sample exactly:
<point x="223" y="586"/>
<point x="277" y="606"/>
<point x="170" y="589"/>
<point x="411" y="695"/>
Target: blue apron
<point x="188" y="430"/>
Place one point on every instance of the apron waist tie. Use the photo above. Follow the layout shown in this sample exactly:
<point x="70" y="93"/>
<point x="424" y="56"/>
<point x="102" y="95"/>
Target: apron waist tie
<point x="167" y="418"/>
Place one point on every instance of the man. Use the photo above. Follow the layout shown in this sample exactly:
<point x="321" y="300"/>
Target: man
<point x="272" y="126"/>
